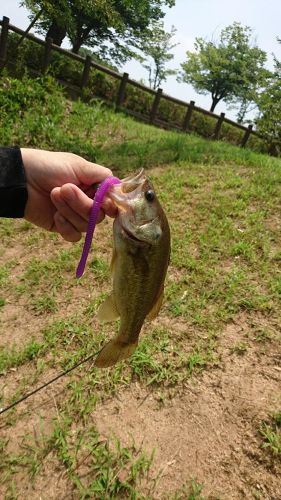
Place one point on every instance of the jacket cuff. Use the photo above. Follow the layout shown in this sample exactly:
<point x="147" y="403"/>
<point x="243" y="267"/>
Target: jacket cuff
<point x="13" y="189"/>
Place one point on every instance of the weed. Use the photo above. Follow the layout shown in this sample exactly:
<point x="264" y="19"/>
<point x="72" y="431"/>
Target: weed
<point x="263" y="334"/>
<point x="43" y="304"/>
<point x="11" y="357"/>
<point x="271" y="433"/>
<point x="222" y="203"/>
<point x="239" y="348"/>
<point x="190" y="491"/>
<point x="6" y="229"/>
<point x="4" y="275"/>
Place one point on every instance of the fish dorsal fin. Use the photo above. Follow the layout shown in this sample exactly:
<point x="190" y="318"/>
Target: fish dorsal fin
<point x="156" y="306"/>
<point x="108" y="311"/>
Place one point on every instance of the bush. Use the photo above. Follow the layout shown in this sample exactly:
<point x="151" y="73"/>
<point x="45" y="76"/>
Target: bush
<point x="137" y="100"/>
<point x="171" y="112"/>
<point x="27" y="60"/>
<point x="26" y="107"/>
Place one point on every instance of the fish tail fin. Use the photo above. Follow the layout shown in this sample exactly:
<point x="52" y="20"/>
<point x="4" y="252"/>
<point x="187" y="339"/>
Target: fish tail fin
<point x="113" y="352"/>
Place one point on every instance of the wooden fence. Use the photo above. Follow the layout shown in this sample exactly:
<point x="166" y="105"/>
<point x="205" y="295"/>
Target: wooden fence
<point x="87" y="63"/>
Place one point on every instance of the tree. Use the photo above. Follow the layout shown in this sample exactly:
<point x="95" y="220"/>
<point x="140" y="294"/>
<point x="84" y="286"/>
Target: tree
<point x="269" y="120"/>
<point x="156" y="44"/>
<point x="54" y="20"/>
<point x="231" y="69"/>
<point x="109" y="26"/>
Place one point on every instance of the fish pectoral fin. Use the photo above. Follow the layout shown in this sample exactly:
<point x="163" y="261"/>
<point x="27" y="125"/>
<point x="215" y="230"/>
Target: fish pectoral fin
<point x="108" y="311"/>
<point x="153" y="313"/>
<point x="113" y="352"/>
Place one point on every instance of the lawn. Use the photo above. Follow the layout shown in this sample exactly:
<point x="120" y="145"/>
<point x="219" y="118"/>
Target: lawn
<point x="196" y="412"/>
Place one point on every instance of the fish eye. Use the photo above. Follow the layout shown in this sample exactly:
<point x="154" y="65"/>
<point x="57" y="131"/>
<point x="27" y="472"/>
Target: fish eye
<point x="149" y="195"/>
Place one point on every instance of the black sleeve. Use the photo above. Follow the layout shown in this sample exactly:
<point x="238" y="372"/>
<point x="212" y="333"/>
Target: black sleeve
<point x="13" y="190"/>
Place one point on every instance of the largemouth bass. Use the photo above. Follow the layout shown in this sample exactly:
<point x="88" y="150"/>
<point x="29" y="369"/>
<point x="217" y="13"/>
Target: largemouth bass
<point x="141" y="252"/>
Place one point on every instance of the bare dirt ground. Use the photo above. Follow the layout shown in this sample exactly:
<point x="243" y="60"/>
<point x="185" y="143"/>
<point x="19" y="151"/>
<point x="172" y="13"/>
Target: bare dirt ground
<point x="206" y="429"/>
<point x="209" y="431"/>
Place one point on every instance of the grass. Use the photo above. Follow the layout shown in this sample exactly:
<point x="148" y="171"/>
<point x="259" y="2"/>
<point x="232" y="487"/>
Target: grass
<point x="108" y="471"/>
<point x="27" y="60"/>
<point x="271" y="433"/>
<point x="11" y="358"/>
<point x="223" y="205"/>
<point x="190" y="492"/>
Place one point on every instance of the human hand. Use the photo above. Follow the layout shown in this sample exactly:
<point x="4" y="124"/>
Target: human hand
<point x="60" y="191"/>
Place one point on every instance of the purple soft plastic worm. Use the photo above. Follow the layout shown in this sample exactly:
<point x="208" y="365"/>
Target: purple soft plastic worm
<point x="98" y="199"/>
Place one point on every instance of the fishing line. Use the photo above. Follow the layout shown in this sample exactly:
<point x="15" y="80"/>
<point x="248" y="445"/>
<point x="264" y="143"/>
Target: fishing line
<point x="98" y="199"/>
<point x="31" y="393"/>
<point x="99" y="196"/>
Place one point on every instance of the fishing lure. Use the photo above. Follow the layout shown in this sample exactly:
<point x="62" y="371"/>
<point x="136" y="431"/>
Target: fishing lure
<point x="98" y="199"/>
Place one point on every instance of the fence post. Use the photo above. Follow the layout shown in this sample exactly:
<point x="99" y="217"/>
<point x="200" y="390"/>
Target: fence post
<point x="86" y="72"/>
<point x="4" y="41"/>
<point x="47" y="54"/>
<point x="155" y="105"/>
<point x="121" y="91"/>
<point x="187" y="117"/>
<point x="246" y="136"/>
<point x="218" y="126"/>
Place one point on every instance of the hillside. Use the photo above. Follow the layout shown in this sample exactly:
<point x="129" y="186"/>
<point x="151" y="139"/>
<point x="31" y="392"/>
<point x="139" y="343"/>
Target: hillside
<point x="196" y="412"/>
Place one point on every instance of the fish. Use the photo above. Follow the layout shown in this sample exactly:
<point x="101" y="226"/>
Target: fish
<point x="140" y="259"/>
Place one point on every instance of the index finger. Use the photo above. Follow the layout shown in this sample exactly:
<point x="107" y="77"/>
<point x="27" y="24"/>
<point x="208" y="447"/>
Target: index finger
<point x="109" y="207"/>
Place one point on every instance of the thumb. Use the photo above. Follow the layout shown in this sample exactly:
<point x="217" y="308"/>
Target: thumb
<point x="92" y="173"/>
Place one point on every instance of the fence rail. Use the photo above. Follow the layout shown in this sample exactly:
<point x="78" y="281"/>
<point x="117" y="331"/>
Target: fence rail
<point x="87" y="63"/>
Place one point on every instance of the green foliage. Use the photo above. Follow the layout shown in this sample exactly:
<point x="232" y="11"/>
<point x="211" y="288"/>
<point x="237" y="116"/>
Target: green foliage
<point x="19" y="123"/>
<point x="113" y="471"/>
<point x="222" y="203"/>
<point x="106" y="463"/>
<point x="12" y="357"/>
<point x="231" y="69"/>
<point x="138" y="101"/>
<point x="104" y="25"/>
<point x="23" y="122"/>
<point x="36" y="113"/>
<point x="271" y="433"/>
<point x="17" y="96"/>
<point x="27" y="60"/>
<point x="156" y="45"/>
<point x="269" y="121"/>
<point x="190" y="492"/>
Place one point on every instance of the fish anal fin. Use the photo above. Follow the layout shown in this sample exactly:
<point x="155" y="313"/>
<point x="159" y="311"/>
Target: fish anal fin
<point x="113" y="352"/>
<point x="153" y="313"/>
<point x="108" y="311"/>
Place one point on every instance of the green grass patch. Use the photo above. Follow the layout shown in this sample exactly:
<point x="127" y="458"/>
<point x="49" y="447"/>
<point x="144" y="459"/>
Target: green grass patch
<point x="223" y="205"/>
<point x="271" y="433"/>
<point x="190" y="491"/>
<point x="94" y="467"/>
<point x="10" y="358"/>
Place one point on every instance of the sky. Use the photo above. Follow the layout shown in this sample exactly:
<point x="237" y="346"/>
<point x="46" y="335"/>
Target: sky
<point x="196" y="18"/>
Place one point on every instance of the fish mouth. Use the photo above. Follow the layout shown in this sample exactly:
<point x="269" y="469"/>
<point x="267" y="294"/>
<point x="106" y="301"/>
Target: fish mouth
<point x="122" y="193"/>
<point x="132" y="181"/>
<point x="131" y="236"/>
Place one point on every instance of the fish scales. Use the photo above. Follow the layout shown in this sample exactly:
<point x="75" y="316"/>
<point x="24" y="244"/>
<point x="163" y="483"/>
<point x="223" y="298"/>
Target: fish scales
<point x="139" y="265"/>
